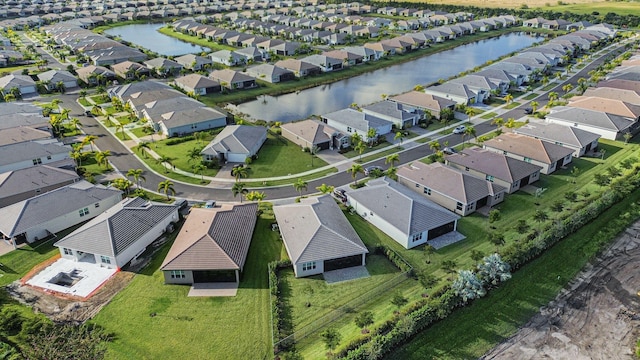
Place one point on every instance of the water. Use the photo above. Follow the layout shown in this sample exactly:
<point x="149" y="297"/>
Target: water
<point x="148" y="37"/>
<point x="368" y="88"/>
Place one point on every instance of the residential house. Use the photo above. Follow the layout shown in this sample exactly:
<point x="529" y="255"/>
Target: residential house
<point x="404" y="215"/>
<point x="92" y="74"/>
<point x="310" y="133"/>
<point x="232" y="79"/>
<point x="460" y="93"/>
<point x="40" y="216"/>
<point x="361" y="51"/>
<point x="621" y="84"/>
<point x="235" y="143"/>
<point x="510" y="173"/>
<point x="54" y="79"/>
<point x="402" y="117"/>
<point x="194" y="62"/>
<point x="164" y="67"/>
<point x="426" y="102"/>
<point x="270" y="73"/>
<point x="300" y="68"/>
<point x="18" y="134"/>
<point x="549" y="156"/>
<point x="579" y="140"/>
<point x="252" y="54"/>
<point x="19" y="185"/>
<point x="453" y="189"/>
<point x="178" y="123"/>
<point x="609" y="106"/>
<point x="197" y="84"/>
<point x="25" y="84"/>
<point x="212" y="245"/>
<point x="481" y="85"/>
<point x="499" y="76"/>
<point x="227" y="57"/>
<point x="32" y="153"/>
<point x="318" y="237"/>
<point x="121" y="233"/>
<point x="350" y="122"/>
<point x="130" y="70"/>
<point x="325" y="63"/>
<point x="609" y="126"/>
<point x="624" y="95"/>
<point x="348" y="58"/>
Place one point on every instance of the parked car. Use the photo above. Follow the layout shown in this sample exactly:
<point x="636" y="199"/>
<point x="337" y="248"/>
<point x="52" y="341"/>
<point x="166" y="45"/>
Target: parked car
<point x="340" y="194"/>
<point x="449" y="151"/>
<point x="371" y="170"/>
<point x="528" y="111"/>
<point x="209" y="204"/>
<point x="459" y="129"/>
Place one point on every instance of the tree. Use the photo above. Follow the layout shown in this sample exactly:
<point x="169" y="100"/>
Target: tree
<point x="75" y="123"/>
<point x="392" y="173"/>
<point x="601" y="180"/>
<point x="372" y="135"/>
<point x="56" y="123"/>
<point x="399" y="300"/>
<point x="627" y="136"/>
<point x="540" y="217"/>
<point x="120" y="126"/>
<point x="239" y="172"/>
<point x="199" y="169"/>
<point x="476" y="255"/>
<point x="534" y="106"/>
<point x="493" y="270"/>
<point x="77" y="156"/>
<point x="198" y="136"/>
<point x="363" y="320"/>
<point x="392" y="159"/>
<point x="553" y="96"/>
<point x="82" y="93"/>
<point x="239" y="188"/>
<point x="511" y="123"/>
<point x="325" y="189"/>
<point x="399" y="136"/>
<point x="355" y="169"/>
<point x="88" y="140"/>
<point x="143" y="147"/>
<point x="256" y="196"/>
<point x="494" y="215"/>
<point x="331" y="338"/>
<point x="313" y="151"/>
<point x="434" y="146"/>
<point x="498" y="122"/>
<point x="136" y="174"/>
<point x="449" y="266"/>
<point x="469" y="132"/>
<point x="567" y="88"/>
<point x="467" y="286"/>
<point x="84" y="342"/>
<point x="496" y="239"/>
<point x="429" y="250"/>
<point x="446" y="115"/>
<point x="427" y="280"/>
<point x="571" y="196"/>
<point x="557" y="206"/>
<point x="300" y="185"/>
<point x="522" y="226"/>
<point x="122" y="184"/>
<point x="193" y="155"/>
<point x="508" y="98"/>
<point x="165" y="161"/>
<point x="613" y="172"/>
<point x="167" y="188"/>
<point x="469" y="112"/>
<point x="101" y="158"/>
<point x="360" y="148"/>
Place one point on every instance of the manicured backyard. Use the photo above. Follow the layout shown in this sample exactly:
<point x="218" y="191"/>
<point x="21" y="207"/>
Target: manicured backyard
<point x="280" y="157"/>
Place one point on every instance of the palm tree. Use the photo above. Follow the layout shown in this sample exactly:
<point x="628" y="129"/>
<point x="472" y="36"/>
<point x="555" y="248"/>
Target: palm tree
<point x="360" y="148"/>
<point x="434" y="146"/>
<point x="136" y="174"/>
<point x="469" y="131"/>
<point x="553" y="96"/>
<point x="55" y="123"/>
<point x="120" y="126"/>
<point x="101" y="158"/>
<point x="75" y="123"/>
<point x="300" y="185"/>
<point x="399" y="136"/>
<point x="239" y="188"/>
<point x="64" y="114"/>
<point x="199" y="169"/>
<point x="511" y="123"/>
<point x="88" y="140"/>
<point x="83" y="93"/>
<point x="469" y="112"/>
<point x="392" y="159"/>
<point x="167" y="188"/>
<point x="9" y="97"/>
<point x="239" y="172"/>
<point x="540" y="216"/>
<point x="567" y="88"/>
<point x="164" y="160"/>
<point x="372" y="133"/>
<point x="325" y="189"/>
<point x="143" y="147"/>
<point x="256" y="196"/>
<point x="77" y="156"/>
<point x="508" y="98"/>
<point x="534" y="106"/>
<point x="96" y="110"/>
<point x="392" y="172"/>
<point x="498" y="122"/>
<point x="198" y="136"/>
<point x="193" y="155"/>
<point x="355" y="170"/>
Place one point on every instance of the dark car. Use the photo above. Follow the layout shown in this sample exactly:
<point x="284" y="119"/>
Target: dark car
<point x="528" y="111"/>
<point x="340" y="194"/>
<point x="449" y="151"/>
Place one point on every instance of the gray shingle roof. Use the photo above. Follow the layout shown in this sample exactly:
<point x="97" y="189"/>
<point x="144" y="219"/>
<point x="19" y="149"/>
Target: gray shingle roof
<point x="357" y="119"/>
<point x="213" y="239"/>
<point x="17" y="218"/>
<point x="588" y="117"/>
<point x="10" y="154"/>
<point x="116" y="229"/>
<point x="56" y="75"/>
<point x="33" y="178"/>
<point x="559" y="134"/>
<point x="235" y="139"/>
<point x="392" y="109"/>
<point x="533" y="148"/>
<point x="316" y="229"/>
<point x="196" y="81"/>
<point x="314" y="132"/>
<point x="190" y="116"/>
<point x="20" y="134"/>
<point x="406" y="210"/>
<point x="494" y="164"/>
<point x="450" y="182"/>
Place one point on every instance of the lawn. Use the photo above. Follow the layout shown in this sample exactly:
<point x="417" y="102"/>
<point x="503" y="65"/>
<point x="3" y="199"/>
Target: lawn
<point x="84" y="102"/>
<point x="531" y="96"/>
<point x="488" y="115"/>
<point x="354" y="154"/>
<point x="18" y="262"/>
<point x="127" y="119"/>
<point x="139" y="132"/>
<point x="100" y="99"/>
<point x="91" y="166"/>
<point x="288" y="181"/>
<point x="214" y="46"/>
<point x="512" y="105"/>
<point x="281" y="157"/>
<point x="191" y="327"/>
<point x="382" y="154"/>
<point x="161" y="169"/>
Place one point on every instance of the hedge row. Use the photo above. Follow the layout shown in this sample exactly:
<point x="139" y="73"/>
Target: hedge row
<point x="425" y="312"/>
<point x="279" y="331"/>
<point x="394" y="258"/>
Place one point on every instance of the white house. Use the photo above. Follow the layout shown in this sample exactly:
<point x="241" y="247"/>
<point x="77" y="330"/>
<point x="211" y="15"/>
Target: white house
<point x="407" y="217"/>
<point x="350" y="122"/>
<point x="23" y="83"/>
<point x="53" y="78"/>
<point x="32" y="153"/>
<point x="119" y="234"/>
<point x="49" y="213"/>
<point x="235" y="143"/>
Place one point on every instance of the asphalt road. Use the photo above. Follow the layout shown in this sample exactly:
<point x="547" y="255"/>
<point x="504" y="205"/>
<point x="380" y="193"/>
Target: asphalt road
<point x="123" y="159"/>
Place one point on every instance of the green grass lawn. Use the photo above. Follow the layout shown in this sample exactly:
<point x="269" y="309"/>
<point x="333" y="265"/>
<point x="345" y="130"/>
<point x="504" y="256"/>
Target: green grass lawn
<point x="139" y="132"/>
<point x="191" y="327"/>
<point x="127" y="119"/>
<point x="214" y="46"/>
<point x="110" y="110"/>
<point x="281" y="157"/>
<point x="352" y="154"/>
<point x="512" y="105"/>
<point x="549" y="86"/>
<point x="603" y="7"/>
<point x="18" y="262"/>
<point x="291" y="180"/>
<point x="161" y="169"/>
<point x="122" y="136"/>
<point x="90" y="164"/>
<point x="84" y="102"/>
<point x="382" y="154"/>
<point x="531" y="96"/>
<point x="488" y="115"/>
<point x="100" y="99"/>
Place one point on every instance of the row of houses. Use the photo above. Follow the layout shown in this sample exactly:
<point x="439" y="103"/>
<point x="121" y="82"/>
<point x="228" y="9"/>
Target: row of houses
<point x="26" y="85"/>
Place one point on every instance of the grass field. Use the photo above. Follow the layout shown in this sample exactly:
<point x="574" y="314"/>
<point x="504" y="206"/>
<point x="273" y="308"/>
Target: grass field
<point x="278" y="158"/>
<point x="192" y="327"/>
<point x="214" y="46"/>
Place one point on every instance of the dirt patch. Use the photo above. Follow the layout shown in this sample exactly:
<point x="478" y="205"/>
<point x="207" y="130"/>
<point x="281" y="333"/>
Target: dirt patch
<point x="595" y="317"/>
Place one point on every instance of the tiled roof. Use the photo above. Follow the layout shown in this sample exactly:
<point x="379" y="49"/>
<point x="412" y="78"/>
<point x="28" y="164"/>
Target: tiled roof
<point x="593" y="118"/>
<point x="33" y="178"/>
<point x="356" y="119"/>
<point x="213" y="239"/>
<point x="610" y="106"/>
<point x="424" y="101"/>
<point x="406" y="210"/>
<point x="196" y="81"/>
<point x="21" y="134"/>
<point x="313" y="132"/>
<point x="315" y="229"/>
<point x="10" y="154"/>
<point x="529" y="147"/>
<point x="236" y="139"/>
<point x="450" y="182"/>
<point x="116" y="229"/>
<point x="559" y="134"/>
<point x="494" y="164"/>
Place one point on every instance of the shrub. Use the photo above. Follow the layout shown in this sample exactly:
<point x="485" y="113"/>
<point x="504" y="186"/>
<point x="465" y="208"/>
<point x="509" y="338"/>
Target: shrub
<point x="180" y="140"/>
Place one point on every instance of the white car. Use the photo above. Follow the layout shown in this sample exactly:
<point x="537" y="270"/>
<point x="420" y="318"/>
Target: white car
<point x="459" y="129"/>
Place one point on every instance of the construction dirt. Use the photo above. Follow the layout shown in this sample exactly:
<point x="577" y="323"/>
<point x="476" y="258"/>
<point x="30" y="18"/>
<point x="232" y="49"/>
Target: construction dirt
<point x="595" y="317"/>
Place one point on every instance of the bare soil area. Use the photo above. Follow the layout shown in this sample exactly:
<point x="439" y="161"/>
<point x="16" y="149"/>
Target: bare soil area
<point x="596" y="317"/>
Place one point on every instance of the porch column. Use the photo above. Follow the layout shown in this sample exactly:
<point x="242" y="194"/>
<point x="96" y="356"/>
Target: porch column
<point x="363" y="259"/>
<point x="237" y="277"/>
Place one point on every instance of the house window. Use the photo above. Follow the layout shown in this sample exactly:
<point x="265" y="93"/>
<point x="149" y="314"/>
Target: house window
<point x="504" y="153"/>
<point x="97" y="205"/>
<point x="105" y="259"/>
<point x="309" y="266"/>
<point x="37" y="161"/>
<point x="489" y="178"/>
<point x="84" y="212"/>
<point x="349" y="129"/>
<point x="417" y="185"/>
<point x="459" y="206"/>
<point x="427" y="191"/>
<point x="526" y="159"/>
<point x="178" y="274"/>
<point x="469" y="207"/>
<point x="48" y="157"/>
<point x="416" y="237"/>
<point x="67" y="251"/>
